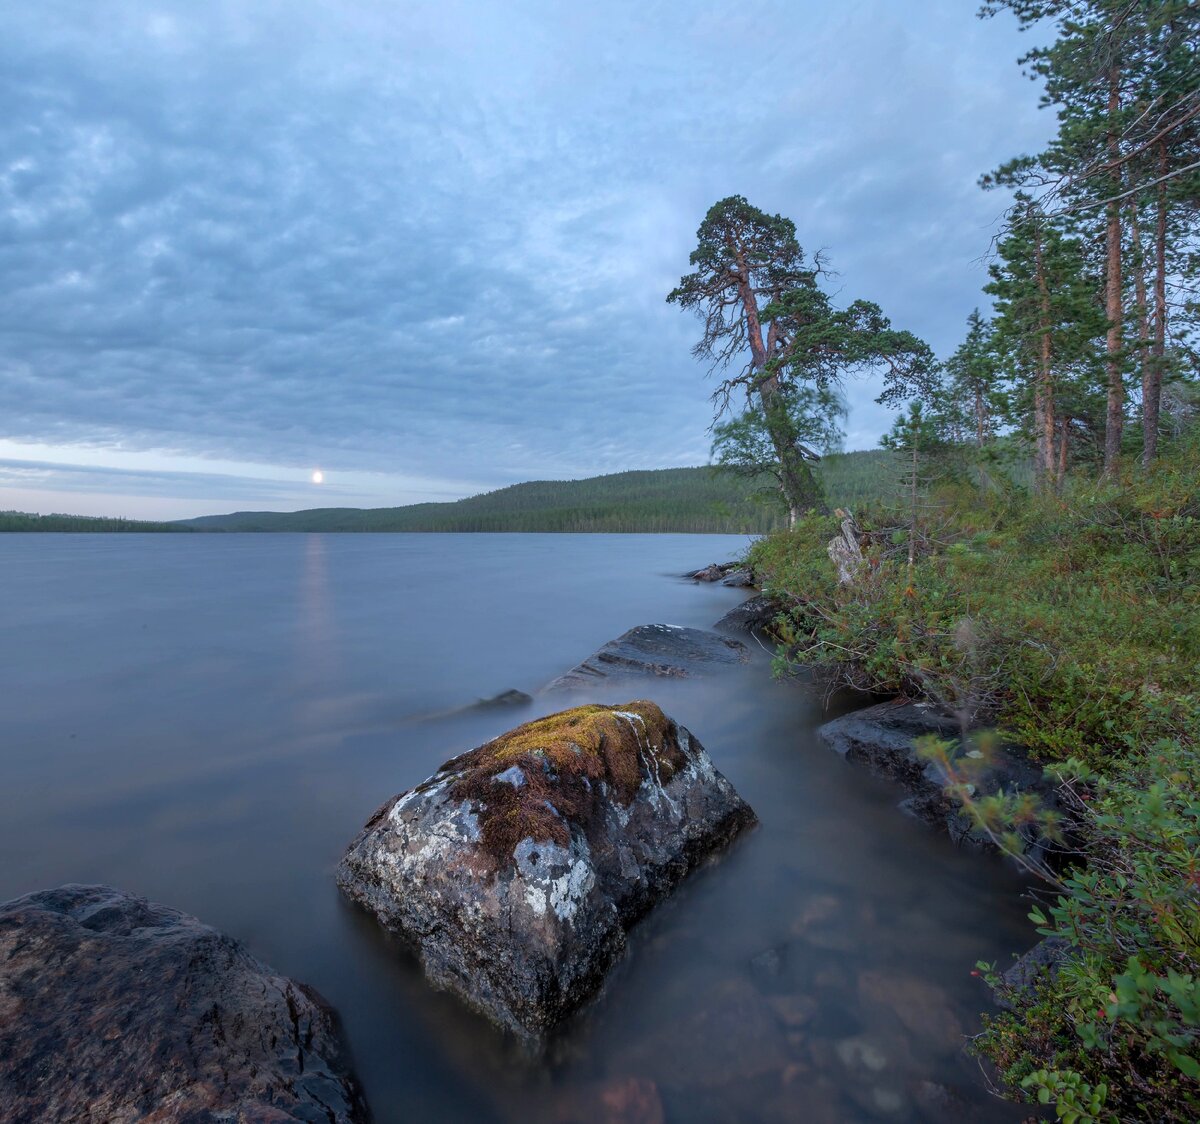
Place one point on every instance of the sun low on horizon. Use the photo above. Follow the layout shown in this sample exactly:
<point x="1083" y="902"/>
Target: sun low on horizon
<point x="318" y="477"/>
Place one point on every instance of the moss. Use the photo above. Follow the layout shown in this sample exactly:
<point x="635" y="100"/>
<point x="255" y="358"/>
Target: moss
<point x="570" y="764"/>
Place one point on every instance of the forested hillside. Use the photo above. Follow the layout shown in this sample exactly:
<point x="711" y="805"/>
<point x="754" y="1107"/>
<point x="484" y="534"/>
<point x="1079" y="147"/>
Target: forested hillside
<point x="24" y="521"/>
<point x="682" y="500"/>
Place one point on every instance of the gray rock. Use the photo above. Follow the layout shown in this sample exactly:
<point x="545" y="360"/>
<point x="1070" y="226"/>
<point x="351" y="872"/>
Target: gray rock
<point x="512" y="699"/>
<point x="115" y="1009"/>
<point x="663" y="650"/>
<point x="518" y="896"/>
<point x="1041" y="960"/>
<point x="880" y="739"/>
<point x="753" y="615"/>
<point x="711" y="573"/>
<point x="740" y="578"/>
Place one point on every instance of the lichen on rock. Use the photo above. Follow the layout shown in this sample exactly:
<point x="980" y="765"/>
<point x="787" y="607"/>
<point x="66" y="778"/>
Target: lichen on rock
<point x="517" y="868"/>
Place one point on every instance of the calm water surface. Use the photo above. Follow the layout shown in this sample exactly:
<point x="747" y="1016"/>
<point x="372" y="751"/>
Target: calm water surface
<point x="208" y="720"/>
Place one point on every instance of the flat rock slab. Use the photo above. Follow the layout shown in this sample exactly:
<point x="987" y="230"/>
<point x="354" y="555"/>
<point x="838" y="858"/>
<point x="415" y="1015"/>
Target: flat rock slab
<point x="114" y="1009"/>
<point x="664" y="650"/>
<point x="881" y="740"/>
<point x="515" y="871"/>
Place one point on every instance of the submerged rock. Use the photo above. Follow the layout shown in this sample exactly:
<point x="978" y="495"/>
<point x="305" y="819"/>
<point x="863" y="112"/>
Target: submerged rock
<point x="881" y="739"/>
<point x="113" y="1008"/>
<point x="517" y="868"/>
<point x="621" y="1100"/>
<point x="512" y="699"/>
<point x="664" y="650"/>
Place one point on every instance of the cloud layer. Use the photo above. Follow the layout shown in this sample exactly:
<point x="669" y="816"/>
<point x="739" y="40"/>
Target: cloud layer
<point x="434" y="239"/>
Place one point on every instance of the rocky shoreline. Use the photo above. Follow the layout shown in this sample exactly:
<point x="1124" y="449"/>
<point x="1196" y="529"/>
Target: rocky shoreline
<point x="514" y="873"/>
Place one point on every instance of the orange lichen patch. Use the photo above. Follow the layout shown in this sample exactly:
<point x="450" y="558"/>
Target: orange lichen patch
<point x="537" y="780"/>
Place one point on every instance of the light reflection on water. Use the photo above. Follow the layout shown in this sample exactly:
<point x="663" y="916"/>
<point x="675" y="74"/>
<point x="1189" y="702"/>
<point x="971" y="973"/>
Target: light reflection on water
<point x="208" y="720"/>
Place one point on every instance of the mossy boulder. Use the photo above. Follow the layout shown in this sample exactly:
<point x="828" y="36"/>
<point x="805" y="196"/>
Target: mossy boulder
<point x="515" y="871"/>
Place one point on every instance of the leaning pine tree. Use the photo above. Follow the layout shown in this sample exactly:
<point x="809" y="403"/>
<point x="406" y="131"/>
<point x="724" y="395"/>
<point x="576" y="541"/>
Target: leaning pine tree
<point x="763" y="308"/>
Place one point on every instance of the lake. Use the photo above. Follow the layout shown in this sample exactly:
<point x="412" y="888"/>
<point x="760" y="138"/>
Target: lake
<point x="207" y="720"/>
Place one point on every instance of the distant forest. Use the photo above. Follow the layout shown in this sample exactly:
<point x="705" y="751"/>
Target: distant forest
<point x="680" y="500"/>
<point x="23" y="521"/>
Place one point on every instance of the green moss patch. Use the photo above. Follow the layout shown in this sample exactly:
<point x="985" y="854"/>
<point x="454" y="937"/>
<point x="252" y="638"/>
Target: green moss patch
<point x="539" y="780"/>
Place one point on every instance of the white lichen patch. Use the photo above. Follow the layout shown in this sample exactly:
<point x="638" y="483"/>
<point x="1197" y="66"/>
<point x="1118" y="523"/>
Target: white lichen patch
<point x="553" y="878"/>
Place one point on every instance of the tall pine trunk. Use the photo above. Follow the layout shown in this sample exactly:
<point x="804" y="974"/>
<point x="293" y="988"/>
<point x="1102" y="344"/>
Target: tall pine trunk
<point x="1114" y="421"/>
<point x="1153" y="380"/>
<point x="800" y="490"/>
<point x="1142" y="315"/>
<point x="1045" y="464"/>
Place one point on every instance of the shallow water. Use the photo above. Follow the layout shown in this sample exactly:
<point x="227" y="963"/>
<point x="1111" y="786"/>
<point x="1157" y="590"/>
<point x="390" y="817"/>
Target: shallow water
<point x="208" y="720"/>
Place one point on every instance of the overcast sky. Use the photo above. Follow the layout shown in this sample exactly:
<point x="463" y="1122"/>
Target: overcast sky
<point x="424" y="247"/>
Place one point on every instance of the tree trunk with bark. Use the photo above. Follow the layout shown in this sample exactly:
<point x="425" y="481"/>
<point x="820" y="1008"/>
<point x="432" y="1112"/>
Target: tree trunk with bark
<point x="1045" y="466"/>
<point x="1114" y="421"/>
<point x="1142" y="317"/>
<point x="800" y="490"/>
<point x="1152" y="390"/>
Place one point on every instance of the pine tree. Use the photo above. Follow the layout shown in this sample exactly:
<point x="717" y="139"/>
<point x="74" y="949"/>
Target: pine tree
<point x="1124" y="77"/>
<point x="1048" y="324"/>
<point x="761" y="303"/>
<point x="973" y="393"/>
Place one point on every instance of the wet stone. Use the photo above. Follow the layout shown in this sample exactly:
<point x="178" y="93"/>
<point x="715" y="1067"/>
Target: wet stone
<point x="515" y="871"/>
<point x="623" y="1100"/>
<point x="794" y="1010"/>
<point x="113" y="1008"/>
<point x="730" y="1036"/>
<point x="922" y="1008"/>
<point x="662" y="651"/>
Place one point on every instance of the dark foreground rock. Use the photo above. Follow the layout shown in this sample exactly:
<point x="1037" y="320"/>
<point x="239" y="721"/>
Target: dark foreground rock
<point x="880" y="739"/>
<point x="664" y="650"/>
<point x="515" y="871"/>
<point x="115" y="1009"/>
<point x="1043" y="959"/>
<point x="753" y="615"/>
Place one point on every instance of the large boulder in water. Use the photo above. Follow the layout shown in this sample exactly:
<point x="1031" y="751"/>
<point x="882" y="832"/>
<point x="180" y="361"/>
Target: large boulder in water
<point x="664" y="650"/>
<point x="515" y="871"/>
<point x="116" y="1009"/>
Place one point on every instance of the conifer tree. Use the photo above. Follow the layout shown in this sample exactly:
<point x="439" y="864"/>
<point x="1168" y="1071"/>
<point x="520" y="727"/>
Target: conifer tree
<point x="973" y="388"/>
<point x="1048" y="324"/>
<point x="1124" y="77"/>
<point x="762" y="304"/>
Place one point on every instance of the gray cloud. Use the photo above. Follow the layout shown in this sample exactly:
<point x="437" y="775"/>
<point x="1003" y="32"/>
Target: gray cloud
<point x="435" y="239"/>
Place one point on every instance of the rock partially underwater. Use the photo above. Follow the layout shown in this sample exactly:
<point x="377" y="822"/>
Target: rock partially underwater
<point x="664" y="650"/>
<point x="882" y="738"/>
<point x="755" y="615"/>
<point x="516" y="870"/>
<point x="113" y="1008"/>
